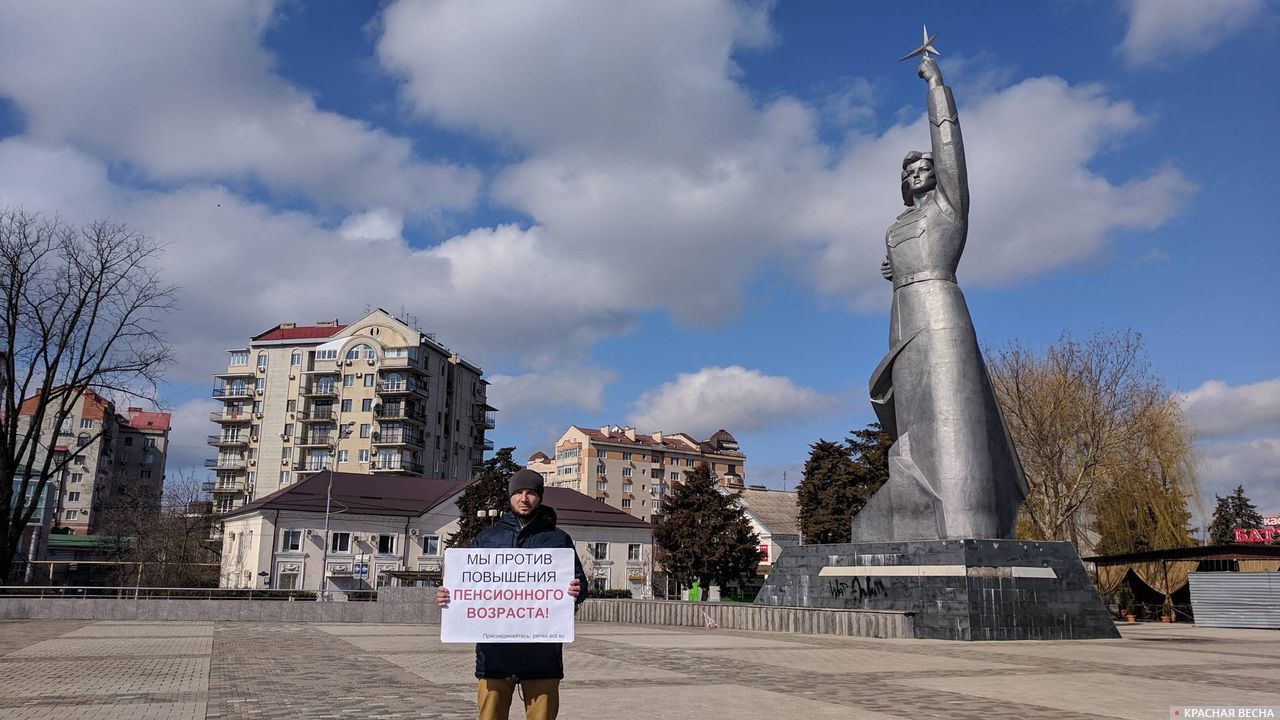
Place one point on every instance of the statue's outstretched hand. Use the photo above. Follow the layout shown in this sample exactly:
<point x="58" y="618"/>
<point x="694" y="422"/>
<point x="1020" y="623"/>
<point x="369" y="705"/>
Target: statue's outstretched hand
<point x="928" y="70"/>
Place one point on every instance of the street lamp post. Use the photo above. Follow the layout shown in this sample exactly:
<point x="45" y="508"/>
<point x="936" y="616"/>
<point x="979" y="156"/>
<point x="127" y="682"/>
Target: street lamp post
<point x="344" y="431"/>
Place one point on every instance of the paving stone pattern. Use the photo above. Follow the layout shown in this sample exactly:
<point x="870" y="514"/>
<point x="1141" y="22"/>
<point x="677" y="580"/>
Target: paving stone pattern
<point x="55" y="669"/>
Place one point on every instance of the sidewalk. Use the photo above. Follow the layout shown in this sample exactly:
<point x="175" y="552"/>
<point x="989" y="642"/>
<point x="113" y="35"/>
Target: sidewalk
<point x="139" y="671"/>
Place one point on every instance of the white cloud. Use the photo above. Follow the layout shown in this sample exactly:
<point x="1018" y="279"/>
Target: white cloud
<point x="1159" y="29"/>
<point x="1217" y="409"/>
<point x="373" y="226"/>
<point x="733" y="398"/>
<point x="188" y="430"/>
<point x="534" y="395"/>
<point x="186" y="91"/>
<point x="1255" y="464"/>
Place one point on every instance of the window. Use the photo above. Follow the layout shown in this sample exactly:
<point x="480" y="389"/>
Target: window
<point x="601" y="499"/>
<point x="567" y="453"/>
<point x="287" y="581"/>
<point x="257" y="406"/>
<point x="430" y="544"/>
<point x="291" y="406"/>
<point x="600" y="469"/>
<point x="150" y="442"/>
<point x="73" y="514"/>
<point x="562" y="470"/>
<point x="73" y="497"/>
<point x="656" y="474"/>
<point x="598" y="550"/>
<point x="285" y="478"/>
<point x="295" y="358"/>
<point x="674" y="477"/>
<point x="626" y="472"/>
<point x="240" y="357"/>
<point x="262" y="361"/>
<point x="368" y="379"/>
<point x="365" y="429"/>
<point x="346" y="406"/>
<point x="633" y="552"/>
<point x="366" y="404"/>
<point x="76" y="478"/>
<point x="86" y="424"/>
<point x="288" y="429"/>
<point x="386" y="544"/>
<point x="688" y="462"/>
<point x="342" y="456"/>
<point x="602" y="485"/>
<point x="330" y="354"/>
<point x="361" y="350"/>
<point x="290" y="540"/>
<point x="148" y="458"/>
<point x="626" y="503"/>
<point x="733" y="468"/>
<point x="626" y="487"/>
<point x="79" y="459"/>
<point x="626" y="456"/>
<point x="340" y="542"/>
<point x="364" y="456"/>
<point x="286" y="453"/>
<point x="349" y="380"/>
<point x="146" y="474"/>
<point x="128" y="440"/>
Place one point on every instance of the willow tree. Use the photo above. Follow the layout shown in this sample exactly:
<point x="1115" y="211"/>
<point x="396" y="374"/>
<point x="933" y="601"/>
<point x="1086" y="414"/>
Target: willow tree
<point x="81" y="308"/>
<point x="1107" y="452"/>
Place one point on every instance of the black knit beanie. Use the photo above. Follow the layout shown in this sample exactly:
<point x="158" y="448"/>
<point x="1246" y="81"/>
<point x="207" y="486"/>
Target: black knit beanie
<point x="525" y="480"/>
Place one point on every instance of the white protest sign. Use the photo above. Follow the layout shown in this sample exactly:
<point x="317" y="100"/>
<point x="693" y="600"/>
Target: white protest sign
<point x="507" y="595"/>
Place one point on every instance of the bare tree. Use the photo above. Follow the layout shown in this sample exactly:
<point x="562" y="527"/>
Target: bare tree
<point x="1097" y="434"/>
<point x="165" y="548"/>
<point x="81" y="307"/>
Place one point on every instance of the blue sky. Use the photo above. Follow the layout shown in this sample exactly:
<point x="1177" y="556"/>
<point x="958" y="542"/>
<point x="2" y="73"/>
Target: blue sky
<point x="671" y="214"/>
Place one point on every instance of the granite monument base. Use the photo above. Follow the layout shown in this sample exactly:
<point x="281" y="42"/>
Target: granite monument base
<point x="957" y="589"/>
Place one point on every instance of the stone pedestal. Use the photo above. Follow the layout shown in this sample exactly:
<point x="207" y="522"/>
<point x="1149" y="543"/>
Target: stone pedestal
<point x="957" y="589"/>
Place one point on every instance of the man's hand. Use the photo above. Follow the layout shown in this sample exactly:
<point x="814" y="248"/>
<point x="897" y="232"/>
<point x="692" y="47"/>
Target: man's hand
<point x="575" y="588"/>
<point x="442" y="597"/>
<point x="886" y="270"/>
<point x="929" y="71"/>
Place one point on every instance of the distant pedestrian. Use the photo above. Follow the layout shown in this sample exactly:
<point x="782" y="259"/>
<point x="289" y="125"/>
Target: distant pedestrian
<point x="536" y="667"/>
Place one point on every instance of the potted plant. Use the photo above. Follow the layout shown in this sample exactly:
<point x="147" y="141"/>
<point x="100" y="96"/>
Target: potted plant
<point x="1124" y="599"/>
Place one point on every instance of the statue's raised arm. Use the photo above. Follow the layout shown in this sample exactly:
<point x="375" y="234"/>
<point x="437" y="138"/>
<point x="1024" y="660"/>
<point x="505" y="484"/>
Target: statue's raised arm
<point x="948" y="146"/>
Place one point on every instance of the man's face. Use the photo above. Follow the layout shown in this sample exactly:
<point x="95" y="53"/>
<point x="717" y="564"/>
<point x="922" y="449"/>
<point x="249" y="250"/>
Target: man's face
<point x="524" y="502"/>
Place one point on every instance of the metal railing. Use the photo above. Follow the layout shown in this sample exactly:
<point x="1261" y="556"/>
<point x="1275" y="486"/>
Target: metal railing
<point x="72" y="592"/>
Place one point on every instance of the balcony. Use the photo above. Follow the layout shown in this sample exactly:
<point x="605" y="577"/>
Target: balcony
<point x="487" y="445"/>
<point x="229" y="417"/>
<point x="395" y="465"/>
<point x="231" y="392"/>
<point x="228" y="440"/>
<point x="223" y="486"/>
<point x="317" y="415"/>
<point x="402" y="388"/>
<point x="485" y="416"/>
<point x="399" y="438"/>
<point x="397" y="411"/>
<point x="310" y="465"/>
<point x="402" y="363"/>
<point x="325" y="390"/>
<point x="227" y="463"/>
<point x="316" y="440"/>
<point x="239" y="371"/>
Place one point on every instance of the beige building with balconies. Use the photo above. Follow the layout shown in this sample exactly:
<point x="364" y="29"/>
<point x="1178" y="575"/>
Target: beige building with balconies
<point x="407" y="403"/>
<point x="632" y="471"/>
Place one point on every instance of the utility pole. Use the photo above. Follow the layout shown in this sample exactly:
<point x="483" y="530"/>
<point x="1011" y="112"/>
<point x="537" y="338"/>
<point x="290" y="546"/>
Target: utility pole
<point x="343" y="432"/>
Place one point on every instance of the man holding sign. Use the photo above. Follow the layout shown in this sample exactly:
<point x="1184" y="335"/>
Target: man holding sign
<point x="520" y="583"/>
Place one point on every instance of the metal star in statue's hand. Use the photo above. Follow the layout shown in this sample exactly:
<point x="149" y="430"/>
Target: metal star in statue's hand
<point x="926" y="48"/>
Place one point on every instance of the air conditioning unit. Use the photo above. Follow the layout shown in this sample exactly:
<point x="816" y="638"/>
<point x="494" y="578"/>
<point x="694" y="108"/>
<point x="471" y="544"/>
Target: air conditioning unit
<point x="252" y="463"/>
<point x="258" y="392"/>
<point x="261" y="369"/>
<point x="413" y="532"/>
<point x="257" y="415"/>
<point x="292" y="376"/>
<point x="371" y="361"/>
<point x="349" y="362"/>
<point x="285" y="461"/>
<point x="284" y="437"/>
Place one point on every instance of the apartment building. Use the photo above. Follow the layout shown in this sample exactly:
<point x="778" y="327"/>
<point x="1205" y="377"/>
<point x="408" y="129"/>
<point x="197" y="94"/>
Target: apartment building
<point x="632" y="471"/>
<point x="115" y="458"/>
<point x="375" y="396"/>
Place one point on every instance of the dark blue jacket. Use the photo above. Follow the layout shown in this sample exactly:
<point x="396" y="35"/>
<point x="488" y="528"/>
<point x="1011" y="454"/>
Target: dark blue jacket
<point x="526" y="661"/>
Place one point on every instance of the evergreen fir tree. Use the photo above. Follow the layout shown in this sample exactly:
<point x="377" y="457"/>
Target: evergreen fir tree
<point x="839" y="479"/>
<point x="488" y="492"/>
<point x="704" y="534"/>
<point x="1233" y="511"/>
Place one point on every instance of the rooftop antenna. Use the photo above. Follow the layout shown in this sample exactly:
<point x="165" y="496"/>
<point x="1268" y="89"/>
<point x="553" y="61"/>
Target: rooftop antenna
<point x="784" y="479"/>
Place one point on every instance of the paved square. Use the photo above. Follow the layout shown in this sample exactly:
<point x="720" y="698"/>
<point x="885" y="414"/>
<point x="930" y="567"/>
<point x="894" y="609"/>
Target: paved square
<point x="77" y="670"/>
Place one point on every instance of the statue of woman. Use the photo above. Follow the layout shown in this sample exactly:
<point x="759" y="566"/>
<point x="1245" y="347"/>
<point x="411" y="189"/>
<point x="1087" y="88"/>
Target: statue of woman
<point x="953" y="471"/>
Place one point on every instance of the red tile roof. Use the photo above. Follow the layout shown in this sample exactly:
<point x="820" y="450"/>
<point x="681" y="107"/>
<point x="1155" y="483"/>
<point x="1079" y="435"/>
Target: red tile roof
<point x="139" y="419"/>
<point x="304" y="332"/>
<point x="94" y="405"/>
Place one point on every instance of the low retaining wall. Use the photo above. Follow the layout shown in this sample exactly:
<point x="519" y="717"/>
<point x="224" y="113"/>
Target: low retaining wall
<point x="418" y="606"/>
<point x="817" y="621"/>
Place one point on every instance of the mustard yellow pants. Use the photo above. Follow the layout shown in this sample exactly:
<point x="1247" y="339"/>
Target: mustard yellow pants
<point x="541" y="698"/>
